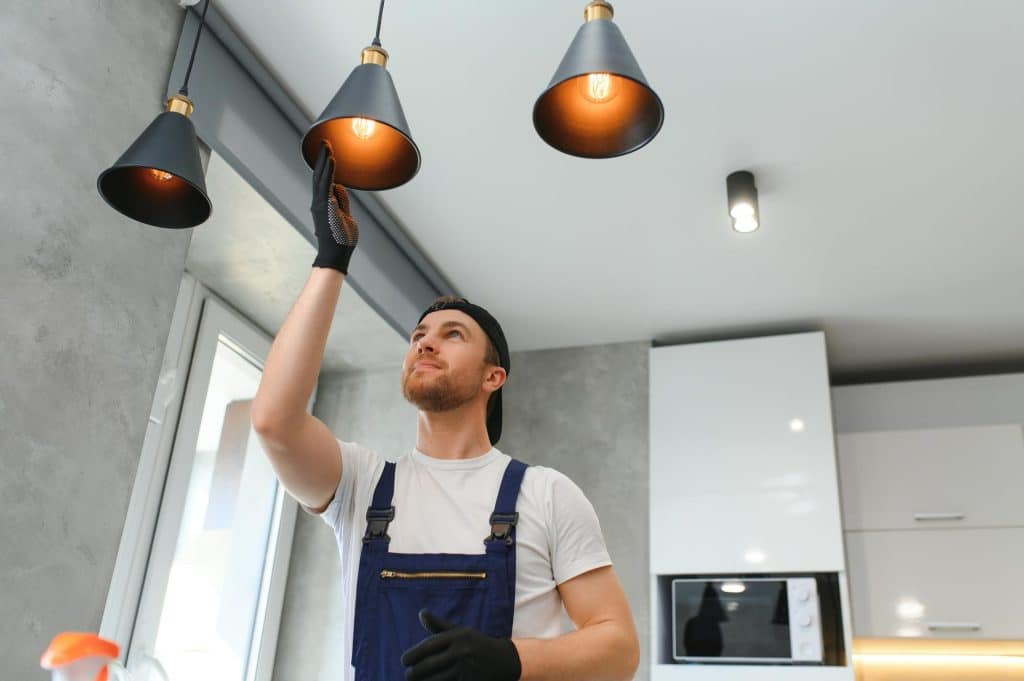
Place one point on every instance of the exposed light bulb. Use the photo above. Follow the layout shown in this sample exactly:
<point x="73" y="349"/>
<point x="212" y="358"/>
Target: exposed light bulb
<point x="160" y="175"/>
<point x="745" y="225"/>
<point x="363" y="127"/>
<point x="734" y="587"/>
<point x="797" y="425"/>
<point x="599" y="87"/>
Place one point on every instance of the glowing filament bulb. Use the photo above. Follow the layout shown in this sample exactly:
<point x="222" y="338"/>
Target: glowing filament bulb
<point x="160" y="175"/>
<point x="599" y="87"/>
<point x="363" y="128"/>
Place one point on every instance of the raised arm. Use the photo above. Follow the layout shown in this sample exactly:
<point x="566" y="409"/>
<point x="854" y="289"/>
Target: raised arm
<point x="302" y="450"/>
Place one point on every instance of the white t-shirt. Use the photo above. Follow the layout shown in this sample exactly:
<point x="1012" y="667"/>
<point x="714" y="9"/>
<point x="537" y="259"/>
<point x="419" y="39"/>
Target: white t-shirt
<point x="444" y="506"/>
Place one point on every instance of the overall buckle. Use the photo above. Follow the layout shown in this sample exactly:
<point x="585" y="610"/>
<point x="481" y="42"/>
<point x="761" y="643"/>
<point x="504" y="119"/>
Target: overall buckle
<point x="502" y="525"/>
<point x="377" y="521"/>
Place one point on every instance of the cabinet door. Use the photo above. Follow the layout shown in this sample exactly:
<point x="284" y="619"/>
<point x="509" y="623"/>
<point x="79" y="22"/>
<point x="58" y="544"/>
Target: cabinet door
<point x="943" y="477"/>
<point x="743" y="464"/>
<point x="937" y="583"/>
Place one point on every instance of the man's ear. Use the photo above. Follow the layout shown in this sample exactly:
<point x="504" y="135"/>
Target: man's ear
<point x="496" y="376"/>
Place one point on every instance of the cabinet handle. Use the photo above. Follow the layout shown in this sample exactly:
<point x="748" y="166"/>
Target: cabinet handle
<point x="954" y="626"/>
<point x="939" y="516"/>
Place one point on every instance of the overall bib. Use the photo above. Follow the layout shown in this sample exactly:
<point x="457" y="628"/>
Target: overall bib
<point x="468" y="590"/>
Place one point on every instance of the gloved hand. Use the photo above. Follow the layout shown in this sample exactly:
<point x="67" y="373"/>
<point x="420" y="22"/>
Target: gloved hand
<point x="457" y="653"/>
<point x="336" y="230"/>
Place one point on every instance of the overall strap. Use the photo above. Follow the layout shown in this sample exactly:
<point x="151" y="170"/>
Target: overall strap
<point x="381" y="511"/>
<point x="505" y="517"/>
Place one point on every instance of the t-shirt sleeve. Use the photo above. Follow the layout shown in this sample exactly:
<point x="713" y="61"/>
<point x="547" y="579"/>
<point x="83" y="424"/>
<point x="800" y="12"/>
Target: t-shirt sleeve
<point x="577" y="543"/>
<point x="357" y="467"/>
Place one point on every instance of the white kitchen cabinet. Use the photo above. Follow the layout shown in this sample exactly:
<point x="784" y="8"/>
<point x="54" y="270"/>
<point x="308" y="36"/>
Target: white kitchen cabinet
<point x="743" y="480"/>
<point x="943" y="583"/>
<point x="743" y="466"/>
<point x="932" y="478"/>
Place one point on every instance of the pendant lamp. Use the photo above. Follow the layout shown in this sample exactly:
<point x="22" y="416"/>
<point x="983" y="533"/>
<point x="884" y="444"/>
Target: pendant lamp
<point x="159" y="180"/>
<point x="366" y="128"/>
<point x="598" y="104"/>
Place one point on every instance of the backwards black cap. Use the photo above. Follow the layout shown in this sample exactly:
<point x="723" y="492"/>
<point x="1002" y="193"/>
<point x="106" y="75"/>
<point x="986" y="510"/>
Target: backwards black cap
<point x="493" y="330"/>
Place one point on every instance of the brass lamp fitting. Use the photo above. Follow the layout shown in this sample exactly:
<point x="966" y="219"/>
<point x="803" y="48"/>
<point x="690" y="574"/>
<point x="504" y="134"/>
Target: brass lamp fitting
<point x="375" y="54"/>
<point x="598" y="9"/>
<point x="179" y="103"/>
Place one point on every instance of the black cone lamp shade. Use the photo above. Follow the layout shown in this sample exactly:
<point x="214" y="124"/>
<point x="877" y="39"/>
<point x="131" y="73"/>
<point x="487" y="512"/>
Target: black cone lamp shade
<point x="598" y="104"/>
<point x="366" y="128"/>
<point x="159" y="180"/>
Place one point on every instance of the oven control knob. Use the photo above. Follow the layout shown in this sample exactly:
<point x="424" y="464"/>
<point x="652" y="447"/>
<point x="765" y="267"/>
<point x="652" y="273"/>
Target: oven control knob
<point x="804" y="621"/>
<point x="807" y="649"/>
<point x="804" y="595"/>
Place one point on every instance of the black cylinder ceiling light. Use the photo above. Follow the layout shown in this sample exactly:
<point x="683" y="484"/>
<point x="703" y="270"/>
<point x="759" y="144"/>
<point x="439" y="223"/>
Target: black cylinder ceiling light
<point x="366" y="128"/>
<point x="598" y="104"/>
<point x="159" y="180"/>
<point x="742" y="197"/>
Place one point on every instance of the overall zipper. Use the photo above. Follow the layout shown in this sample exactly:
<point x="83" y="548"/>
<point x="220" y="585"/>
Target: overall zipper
<point x="394" y="574"/>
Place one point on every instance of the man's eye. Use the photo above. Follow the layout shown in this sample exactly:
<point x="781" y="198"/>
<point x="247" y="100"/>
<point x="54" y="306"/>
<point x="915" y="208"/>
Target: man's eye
<point x="453" y="331"/>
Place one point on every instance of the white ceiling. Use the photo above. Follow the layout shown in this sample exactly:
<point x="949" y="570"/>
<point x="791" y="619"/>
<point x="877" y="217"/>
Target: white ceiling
<point x="254" y="259"/>
<point x="885" y="137"/>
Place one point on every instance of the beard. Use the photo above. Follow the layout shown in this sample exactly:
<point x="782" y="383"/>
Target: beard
<point x="436" y="391"/>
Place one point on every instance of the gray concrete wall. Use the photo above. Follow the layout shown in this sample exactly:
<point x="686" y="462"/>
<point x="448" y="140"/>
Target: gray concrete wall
<point x="86" y="298"/>
<point x="583" y="411"/>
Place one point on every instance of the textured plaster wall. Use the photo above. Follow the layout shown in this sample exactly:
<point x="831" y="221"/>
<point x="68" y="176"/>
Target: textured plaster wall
<point x="86" y="298"/>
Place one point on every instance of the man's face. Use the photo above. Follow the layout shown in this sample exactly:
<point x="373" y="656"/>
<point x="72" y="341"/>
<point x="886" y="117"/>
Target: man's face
<point x="444" y="367"/>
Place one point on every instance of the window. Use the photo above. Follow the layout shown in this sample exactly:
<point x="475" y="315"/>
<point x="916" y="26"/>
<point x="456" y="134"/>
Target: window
<point x="202" y="565"/>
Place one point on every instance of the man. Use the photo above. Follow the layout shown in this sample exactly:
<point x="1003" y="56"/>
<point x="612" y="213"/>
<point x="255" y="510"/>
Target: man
<point x="457" y="560"/>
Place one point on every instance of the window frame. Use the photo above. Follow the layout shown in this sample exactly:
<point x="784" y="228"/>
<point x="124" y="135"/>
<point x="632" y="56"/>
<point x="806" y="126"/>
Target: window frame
<point x="152" y="522"/>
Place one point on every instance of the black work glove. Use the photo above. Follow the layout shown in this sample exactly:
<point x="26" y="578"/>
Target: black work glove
<point x="336" y="230"/>
<point x="457" y="653"/>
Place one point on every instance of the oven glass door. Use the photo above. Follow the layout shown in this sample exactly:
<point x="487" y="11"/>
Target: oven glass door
<point x="731" y="620"/>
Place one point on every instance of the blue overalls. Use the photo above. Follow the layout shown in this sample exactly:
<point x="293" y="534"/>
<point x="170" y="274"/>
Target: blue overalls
<point x="476" y="591"/>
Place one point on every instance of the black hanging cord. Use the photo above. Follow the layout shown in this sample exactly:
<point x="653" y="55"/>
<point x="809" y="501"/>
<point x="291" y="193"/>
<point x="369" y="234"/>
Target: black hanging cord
<point x="380" y="15"/>
<point x="191" y="59"/>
